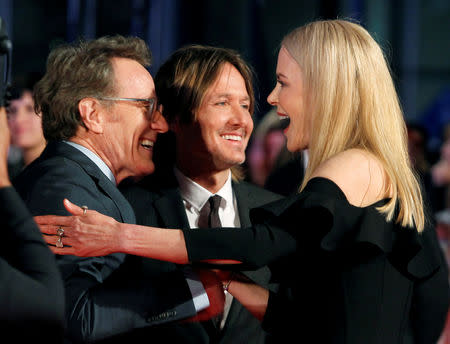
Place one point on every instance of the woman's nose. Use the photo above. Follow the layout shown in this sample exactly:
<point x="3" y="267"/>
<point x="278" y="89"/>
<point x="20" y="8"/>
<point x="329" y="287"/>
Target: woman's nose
<point x="272" y="98"/>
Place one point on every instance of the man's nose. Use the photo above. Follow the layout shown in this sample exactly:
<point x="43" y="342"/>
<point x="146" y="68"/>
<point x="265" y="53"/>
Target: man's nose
<point x="159" y="123"/>
<point x="241" y="115"/>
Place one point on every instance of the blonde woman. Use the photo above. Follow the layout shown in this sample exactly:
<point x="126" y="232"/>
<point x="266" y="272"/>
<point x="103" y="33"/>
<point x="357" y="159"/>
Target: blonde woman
<point x="357" y="260"/>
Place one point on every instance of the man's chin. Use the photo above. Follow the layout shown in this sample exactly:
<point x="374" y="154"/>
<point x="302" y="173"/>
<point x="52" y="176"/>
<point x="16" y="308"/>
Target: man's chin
<point x="231" y="162"/>
<point x="144" y="171"/>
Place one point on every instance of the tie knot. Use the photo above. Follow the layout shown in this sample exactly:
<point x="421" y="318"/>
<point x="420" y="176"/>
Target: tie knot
<point x="214" y="202"/>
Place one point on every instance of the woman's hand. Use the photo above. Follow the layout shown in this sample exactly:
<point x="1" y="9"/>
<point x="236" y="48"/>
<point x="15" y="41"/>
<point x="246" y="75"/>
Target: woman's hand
<point x="90" y="234"/>
<point x="86" y="234"/>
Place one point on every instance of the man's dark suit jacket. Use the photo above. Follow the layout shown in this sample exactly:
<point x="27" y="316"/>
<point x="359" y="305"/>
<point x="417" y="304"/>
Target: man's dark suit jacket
<point x="158" y="202"/>
<point x="104" y="297"/>
<point x="31" y="289"/>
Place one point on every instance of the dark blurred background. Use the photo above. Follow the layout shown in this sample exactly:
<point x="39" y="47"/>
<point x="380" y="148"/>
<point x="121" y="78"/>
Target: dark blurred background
<point x="415" y="35"/>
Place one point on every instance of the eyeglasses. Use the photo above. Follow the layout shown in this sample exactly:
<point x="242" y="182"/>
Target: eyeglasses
<point x="148" y="103"/>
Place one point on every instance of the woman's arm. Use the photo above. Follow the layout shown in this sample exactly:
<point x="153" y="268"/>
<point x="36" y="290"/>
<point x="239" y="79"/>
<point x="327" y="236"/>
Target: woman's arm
<point x="250" y="295"/>
<point x="93" y="234"/>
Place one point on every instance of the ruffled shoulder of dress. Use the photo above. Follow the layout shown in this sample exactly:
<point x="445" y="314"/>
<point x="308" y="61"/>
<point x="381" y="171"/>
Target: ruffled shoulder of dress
<point x="347" y="227"/>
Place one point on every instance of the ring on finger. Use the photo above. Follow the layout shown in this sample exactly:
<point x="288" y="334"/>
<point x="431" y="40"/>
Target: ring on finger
<point x="59" y="242"/>
<point x="60" y="232"/>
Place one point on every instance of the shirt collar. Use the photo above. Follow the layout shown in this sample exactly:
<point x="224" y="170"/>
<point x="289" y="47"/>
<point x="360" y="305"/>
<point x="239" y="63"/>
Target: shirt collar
<point x="196" y="195"/>
<point x="95" y="159"/>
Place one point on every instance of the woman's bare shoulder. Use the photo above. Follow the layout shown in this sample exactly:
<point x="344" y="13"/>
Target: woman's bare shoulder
<point x="358" y="173"/>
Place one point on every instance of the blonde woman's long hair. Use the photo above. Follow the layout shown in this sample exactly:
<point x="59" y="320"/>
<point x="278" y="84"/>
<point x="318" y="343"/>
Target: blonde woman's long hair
<point x="353" y="103"/>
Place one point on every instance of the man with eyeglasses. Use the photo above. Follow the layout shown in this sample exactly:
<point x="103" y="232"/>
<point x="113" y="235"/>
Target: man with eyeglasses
<point x="98" y="101"/>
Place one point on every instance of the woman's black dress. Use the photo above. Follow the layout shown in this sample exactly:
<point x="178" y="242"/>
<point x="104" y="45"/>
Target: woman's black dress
<point x="347" y="275"/>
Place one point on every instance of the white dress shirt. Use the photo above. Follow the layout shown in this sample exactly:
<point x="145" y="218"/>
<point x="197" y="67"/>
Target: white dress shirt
<point x="195" y="197"/>
<point x="195" y="200"/>
<point x="95" y="159"/>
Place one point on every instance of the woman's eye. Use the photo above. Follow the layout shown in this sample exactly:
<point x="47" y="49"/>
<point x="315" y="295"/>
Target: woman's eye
<point x="11" y="112"/>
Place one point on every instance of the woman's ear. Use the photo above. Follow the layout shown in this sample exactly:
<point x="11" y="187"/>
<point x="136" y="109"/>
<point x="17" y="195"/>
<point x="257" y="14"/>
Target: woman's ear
<point x="92" y="114"/>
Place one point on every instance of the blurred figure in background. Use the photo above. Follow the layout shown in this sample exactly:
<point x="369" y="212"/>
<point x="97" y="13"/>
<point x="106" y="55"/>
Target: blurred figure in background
<point x="443" y="232"/>
<point x="25" y="125"/>
<point x="440" y="198"/>
<point x="417" y="140"/>
<point x="440" y="174"/>
<point x="257" y="152"/>
<point x="273" y="144"/>
<point x="420" y="160"/>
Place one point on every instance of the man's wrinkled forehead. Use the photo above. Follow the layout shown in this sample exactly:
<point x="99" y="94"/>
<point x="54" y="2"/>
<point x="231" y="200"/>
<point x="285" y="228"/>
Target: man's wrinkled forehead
<point x="131" y="79"/>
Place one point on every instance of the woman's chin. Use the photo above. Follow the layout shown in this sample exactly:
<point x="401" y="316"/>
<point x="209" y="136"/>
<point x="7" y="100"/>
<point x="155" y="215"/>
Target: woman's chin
<point x="294" y="147"/>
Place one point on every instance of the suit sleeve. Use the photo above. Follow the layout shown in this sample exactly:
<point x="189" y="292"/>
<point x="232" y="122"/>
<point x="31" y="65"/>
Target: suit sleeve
<point x="103" y="298"/>
<point x="31" y="289"/>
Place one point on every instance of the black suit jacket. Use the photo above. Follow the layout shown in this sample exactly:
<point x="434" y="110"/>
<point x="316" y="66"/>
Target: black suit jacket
<point x="104" y="297"/>
<point x="31" y="289"/>
<point x="158" y="203"/>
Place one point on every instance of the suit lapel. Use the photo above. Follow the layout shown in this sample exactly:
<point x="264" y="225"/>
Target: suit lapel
<point x="104" y="184"/>
<point x="244" y="200"/>
<point x="170" y="209"/>
<point x="125" y="210"/>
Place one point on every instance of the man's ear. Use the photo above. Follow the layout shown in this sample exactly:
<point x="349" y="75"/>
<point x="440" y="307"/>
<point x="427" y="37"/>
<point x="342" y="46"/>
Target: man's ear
<point x="91" y="114"/>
